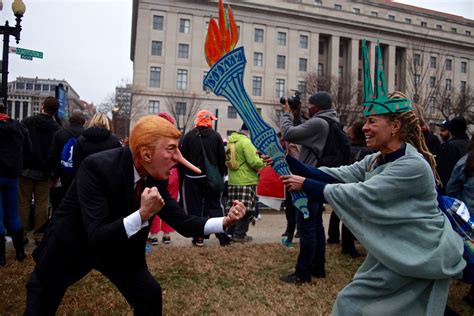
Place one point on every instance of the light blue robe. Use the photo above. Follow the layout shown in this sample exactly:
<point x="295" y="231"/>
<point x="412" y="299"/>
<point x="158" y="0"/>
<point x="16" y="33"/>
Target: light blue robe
<point x="412" y="250"/>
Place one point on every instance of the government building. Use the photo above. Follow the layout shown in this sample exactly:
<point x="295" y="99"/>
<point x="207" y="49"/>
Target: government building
<point x="427" y="54"/>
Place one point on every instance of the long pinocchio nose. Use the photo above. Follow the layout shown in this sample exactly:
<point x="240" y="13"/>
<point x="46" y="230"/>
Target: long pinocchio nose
<point x="180" y="159"/>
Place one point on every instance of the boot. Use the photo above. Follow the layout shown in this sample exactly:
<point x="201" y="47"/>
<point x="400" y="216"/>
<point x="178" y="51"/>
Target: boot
<point x="3" y="262"/>
<point x="18" y="243"/>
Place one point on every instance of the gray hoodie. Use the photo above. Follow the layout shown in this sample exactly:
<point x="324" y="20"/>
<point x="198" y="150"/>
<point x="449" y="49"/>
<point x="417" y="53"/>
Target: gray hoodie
<point x="311" y="134"/>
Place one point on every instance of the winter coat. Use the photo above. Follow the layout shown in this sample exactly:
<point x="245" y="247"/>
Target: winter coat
<point x="59" y="140"/>
<point x="460" y="187"/>
<point x="14" y="143"/>
<point x="311" y="134"/>
<point x="191" y="149"/>
<point x="41" y="128"/>
<point x="451" y="151"/>
<point x="93" y="140"/>
<point x="247" y="159"/>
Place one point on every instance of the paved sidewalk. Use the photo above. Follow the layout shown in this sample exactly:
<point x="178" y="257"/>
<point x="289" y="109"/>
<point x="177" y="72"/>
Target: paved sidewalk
<point x="266" y="230"/>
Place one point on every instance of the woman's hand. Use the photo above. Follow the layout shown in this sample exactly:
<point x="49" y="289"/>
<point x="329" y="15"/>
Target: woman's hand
<point x="293" y="183"/>
<point x="236" y="213"/>
<point x="266" y="159"/>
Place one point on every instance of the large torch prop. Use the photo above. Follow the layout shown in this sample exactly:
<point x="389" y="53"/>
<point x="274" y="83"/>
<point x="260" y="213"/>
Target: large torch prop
<point x="225" y="78"/>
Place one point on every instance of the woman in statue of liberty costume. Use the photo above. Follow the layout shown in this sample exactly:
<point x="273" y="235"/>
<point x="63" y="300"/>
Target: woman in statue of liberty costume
<point x="388" y="201"/>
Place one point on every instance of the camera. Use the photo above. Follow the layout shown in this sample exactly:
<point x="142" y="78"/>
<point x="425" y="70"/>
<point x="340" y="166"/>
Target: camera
<point x="294" y="102"/>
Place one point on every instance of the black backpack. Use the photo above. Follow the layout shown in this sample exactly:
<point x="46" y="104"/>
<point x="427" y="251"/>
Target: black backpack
<point x="337" y="151"/>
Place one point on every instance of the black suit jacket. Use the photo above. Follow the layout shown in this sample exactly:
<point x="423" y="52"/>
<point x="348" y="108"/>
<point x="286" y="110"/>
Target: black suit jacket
<point x="87" y="230"/>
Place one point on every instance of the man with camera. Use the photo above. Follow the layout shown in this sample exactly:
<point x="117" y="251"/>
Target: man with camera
<point x="311" y="134"/>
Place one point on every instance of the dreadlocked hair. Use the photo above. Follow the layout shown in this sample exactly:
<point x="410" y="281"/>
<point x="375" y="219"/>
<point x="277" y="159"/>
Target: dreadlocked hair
<point x="469" y="166"/>
<point x="410" y="132"/>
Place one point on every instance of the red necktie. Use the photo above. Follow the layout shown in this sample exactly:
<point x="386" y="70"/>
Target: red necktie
<point x="139" y="187"/>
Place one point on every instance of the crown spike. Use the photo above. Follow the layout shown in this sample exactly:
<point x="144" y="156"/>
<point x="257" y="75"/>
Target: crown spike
<point x="368" y="89"/>
<point x="380" y="85"/>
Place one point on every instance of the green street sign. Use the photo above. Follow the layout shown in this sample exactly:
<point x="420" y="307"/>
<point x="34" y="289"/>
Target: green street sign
<point x="26" y="57"/>
<point x="28" y="52"/>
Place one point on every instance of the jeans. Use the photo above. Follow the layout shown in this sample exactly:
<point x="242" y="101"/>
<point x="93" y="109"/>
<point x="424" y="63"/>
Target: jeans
<point x="311" y="259"/>
<point x="9" y="217"/>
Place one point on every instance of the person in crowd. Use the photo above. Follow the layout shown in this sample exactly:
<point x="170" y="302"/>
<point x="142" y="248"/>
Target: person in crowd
<point x="290" y="209"/>
<point x="14" y="142"/>
<point x="96" y="138"/>
<point x="157" y="224"/>
<point x="312" y="135"/>
<point x="36" y="175"/>
<point x="243" y="167"/>
<point x="452" y="150"/>
<point x="431" y="140"/>
<point x="199" y="198"/>
<point x="444" y="133"/>
<point x="60" y="138"/>
<point x="389" y="202"/>
<point x="359" y="150"/>
<point x="461" y="186"/>
<point x="103" y="221"/>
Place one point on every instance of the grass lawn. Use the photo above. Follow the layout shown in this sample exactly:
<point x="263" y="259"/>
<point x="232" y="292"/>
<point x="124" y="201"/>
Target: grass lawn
<point x="235" y="280"/>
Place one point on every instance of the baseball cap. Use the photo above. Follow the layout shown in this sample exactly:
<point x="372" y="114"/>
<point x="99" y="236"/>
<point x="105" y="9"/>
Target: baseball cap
<point x="204" y="118"/>
<point x="444" y="124"/>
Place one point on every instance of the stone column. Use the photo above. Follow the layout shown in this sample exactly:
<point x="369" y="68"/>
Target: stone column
<point x="390" y="71"/>
<point x="354" y="59"/>
<point x="334" y="56"/>
<point x="313" y="52"/>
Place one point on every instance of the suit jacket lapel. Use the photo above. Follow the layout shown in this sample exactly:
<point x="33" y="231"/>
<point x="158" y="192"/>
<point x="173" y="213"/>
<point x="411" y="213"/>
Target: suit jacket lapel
<point x="128" y="179"/>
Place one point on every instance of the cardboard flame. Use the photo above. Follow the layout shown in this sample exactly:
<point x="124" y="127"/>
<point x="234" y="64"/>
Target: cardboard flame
<point x="221" y="38"/>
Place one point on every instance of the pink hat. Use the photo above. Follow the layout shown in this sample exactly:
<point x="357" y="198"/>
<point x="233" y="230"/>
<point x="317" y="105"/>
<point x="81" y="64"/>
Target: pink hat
<point x="167" y="117"/>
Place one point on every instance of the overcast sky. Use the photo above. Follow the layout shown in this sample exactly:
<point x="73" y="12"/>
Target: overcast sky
<point x="87" y="42"/>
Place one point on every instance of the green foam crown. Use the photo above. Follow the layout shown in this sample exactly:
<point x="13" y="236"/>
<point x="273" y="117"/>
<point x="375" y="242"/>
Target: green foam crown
<point x="376" y="101"/>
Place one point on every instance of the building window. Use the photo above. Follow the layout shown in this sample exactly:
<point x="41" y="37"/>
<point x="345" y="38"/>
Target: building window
<point x="416" y="59"/>
<point x="439" y="27"/>
<point x="153" y="107"/>
<point x="282" y="38"/>
<point x="155" y="77"/>
<point x="432" y="104"/>
<point x="424" y="24"/>
<point x="280" y="87"/>
<point x="448" y="84"/>
<point x="52" y="88"/>
<point x="338" y="7"/>
<point x="454" y="30"/>
<point x="257" y="86"/>
<point x="183" y="51"/>
<point x="37" y="87"/>
<point x="356" y="10"/>
<point x="25" y="109"/>
<point x="463" y="67"/>
<point x="303" y="64"/>
<point x="158" y="22"/>
<point x="433" y="62"/>
<point x="463" y="87"/>
<point x="321" y="48"/>
<point x="303" y="41"/>
<point x="36" y="107"/>
<point x="29" y="86"/>
<point x="374" y="13"/>
<point x="341" y="71"/>
<point x="184" y="26"/>
<point x="156" y="48"/>
<point x="408" y="20"/>
<point x="231" y="112"/>
<point x="180" y="108"/>
<point x="449" y="64"/>
<point x="46" y="87"/>
<point x="468" y="33"/>
<point x="319" y="3"/>
<point x="182" y="79"/>
<point x="432" y="82"/>
<point x="20" y="85"/>
<point x="320" y="70"/>
<point x="258" y="36"/>
<point x="281" y="61"/>
<point x="417" y="79"/>
<point x="341" y="51"/>
<point x="258" y="59"/>
<point x="391" y="17"/>
<point x="302" y="87"/>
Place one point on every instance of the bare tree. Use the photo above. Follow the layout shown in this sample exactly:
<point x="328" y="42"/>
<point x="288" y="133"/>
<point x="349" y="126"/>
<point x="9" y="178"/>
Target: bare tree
<point x="183" y="108"/>
<point x="108" y="104"/>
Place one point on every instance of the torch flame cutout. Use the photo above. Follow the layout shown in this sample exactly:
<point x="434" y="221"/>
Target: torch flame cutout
<point x="221" y="38"/>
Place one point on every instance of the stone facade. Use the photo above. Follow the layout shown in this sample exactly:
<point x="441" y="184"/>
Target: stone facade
<point x="283" y="41"/>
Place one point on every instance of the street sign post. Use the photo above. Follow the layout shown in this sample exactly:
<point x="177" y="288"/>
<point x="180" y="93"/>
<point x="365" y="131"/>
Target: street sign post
<point x="27" y="53"/>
